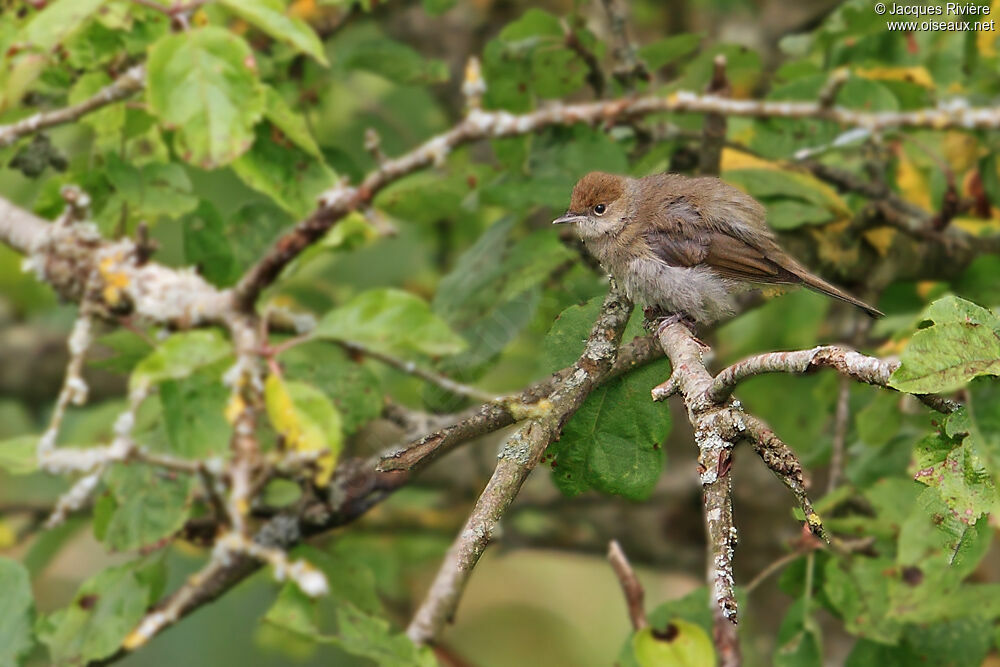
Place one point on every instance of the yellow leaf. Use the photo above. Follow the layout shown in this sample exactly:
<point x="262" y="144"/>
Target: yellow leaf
<point x="961" y="150"/>
<point x="8" y="537"/>
<point x="912" y="182"/>
<point x="234" y="407"/>
<point x="881" y="239"/>
<point x="736" y="159"/>
<point x="986" y="40"/>
<point x="977" y="226"/>
<point x="830" y="244"/>
<point x="303" y="9"/>
<point x="925" y="287"/>
<point x="308" y="421"/>
<point x="917" y="74"/>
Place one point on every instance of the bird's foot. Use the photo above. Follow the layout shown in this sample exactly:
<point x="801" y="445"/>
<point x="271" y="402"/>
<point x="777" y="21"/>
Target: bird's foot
<point x="663" y="321"/>
<point x="656" y="320"/>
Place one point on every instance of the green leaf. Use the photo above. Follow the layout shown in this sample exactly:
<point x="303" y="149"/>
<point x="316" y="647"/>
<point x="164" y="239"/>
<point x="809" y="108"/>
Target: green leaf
<point x="270" y="17"/>
<point x="859" y="591"/>
<point x="282" y="493"/>
<point x="149" y="506"/>
<point x="492" y="292"/>
<point x="203" y="83"/>
<point x="180" y="355"/>
<point x="564" y="341"/>
<point x="57" y="21"/>
<point x="530" y="58"/>
<point x="957" y="470"/>
<point x="945" y="356"/>
<point x="356" y="612"/>
<point x="951" y="308"/>
<point x="294" y="611"/>
<point x="941" y="543"/>
<point x="307" y="420"/>
<point x="370" y="637"/>
<point x="108" y="122"/>
<point x="17" y="611"/>
<point x="352" y="386"/>
<point x="127" y="349"/>
<point x="960" y="643"/>
<point x="194" y="415"/>
<point x="438" y="7"/>
<point x="18" y="455"/>
<point x="668" y="50"/>
<point x="613" y="442"/>
<point x="207" y="247"/>
<point x="879" y="421"/>
<point x="292" y="124"/>
<point x="252" y="229"/>
<point x="147" y="192"/>
<point x="794" y="199"/>
<point x="394" y="61"/>
<point x="390" y="320"/>
<point x="799" y="639"/>
<point x="103" y="612"/>
<point x="789" y="214"/>
<point x="291" y="177"/>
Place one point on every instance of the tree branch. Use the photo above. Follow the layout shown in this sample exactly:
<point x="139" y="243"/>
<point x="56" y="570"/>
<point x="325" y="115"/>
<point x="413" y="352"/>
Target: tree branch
<point x="715" y="436"/>
<point x="860" y="367"/>
<point x="518" y="457"/>
<point x="503" y="412"/>
<point x="129" y="83"/>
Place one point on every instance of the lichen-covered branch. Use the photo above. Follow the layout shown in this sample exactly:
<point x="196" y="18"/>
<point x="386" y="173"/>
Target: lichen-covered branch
<point x="76" y="261"/>
<point x="853" y="364"/>
<point x="715" y="435"/>
<point x="126" y="85"/>
<point x="502" y="412"/>
<point x="518" y="457"/>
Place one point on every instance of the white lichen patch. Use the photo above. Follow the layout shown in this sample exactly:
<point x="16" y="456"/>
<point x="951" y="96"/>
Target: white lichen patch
<point x="517" y="448"/>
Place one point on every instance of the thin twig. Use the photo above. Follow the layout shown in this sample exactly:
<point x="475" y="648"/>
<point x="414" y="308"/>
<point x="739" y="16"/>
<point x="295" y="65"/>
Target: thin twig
<point x="126" y="85"/>
<point x="411" y="368"/>
<point x="634" y="593"/>
<point x="775" y="566"/>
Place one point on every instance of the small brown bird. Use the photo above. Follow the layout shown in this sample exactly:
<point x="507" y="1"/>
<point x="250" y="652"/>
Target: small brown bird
<point x="684" y="245"/>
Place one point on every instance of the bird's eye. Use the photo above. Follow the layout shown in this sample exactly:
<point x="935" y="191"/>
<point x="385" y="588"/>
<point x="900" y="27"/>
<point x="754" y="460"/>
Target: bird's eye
<point x="600" y="209"/>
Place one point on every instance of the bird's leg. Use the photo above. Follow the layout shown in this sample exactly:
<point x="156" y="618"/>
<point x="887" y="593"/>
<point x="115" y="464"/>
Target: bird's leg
<point x="674" y="318"/>
<point x="656" y="321"/>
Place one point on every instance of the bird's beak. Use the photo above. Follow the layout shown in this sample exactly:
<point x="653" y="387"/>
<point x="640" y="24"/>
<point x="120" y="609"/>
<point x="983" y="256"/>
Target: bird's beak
<point x="568" y="217"/>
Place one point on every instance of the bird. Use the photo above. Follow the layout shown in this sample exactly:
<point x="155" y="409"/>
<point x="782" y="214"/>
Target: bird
<point x="685" y="246"/>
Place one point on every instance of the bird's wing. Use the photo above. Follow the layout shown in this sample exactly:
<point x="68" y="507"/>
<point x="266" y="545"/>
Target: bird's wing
<point x="677" y="242"/>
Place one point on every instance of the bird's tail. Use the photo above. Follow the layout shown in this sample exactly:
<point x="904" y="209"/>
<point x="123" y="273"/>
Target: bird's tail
<point x="820" y="285"/>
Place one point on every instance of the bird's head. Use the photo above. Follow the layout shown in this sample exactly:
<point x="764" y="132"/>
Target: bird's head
<point x="599" y="204"/>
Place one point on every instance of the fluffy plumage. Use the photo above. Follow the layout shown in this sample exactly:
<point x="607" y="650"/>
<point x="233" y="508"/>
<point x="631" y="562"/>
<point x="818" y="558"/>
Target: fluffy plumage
<point x="684" y="245"/>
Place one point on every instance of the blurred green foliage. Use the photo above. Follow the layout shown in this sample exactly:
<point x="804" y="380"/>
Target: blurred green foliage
<point x="256" y="107"/>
